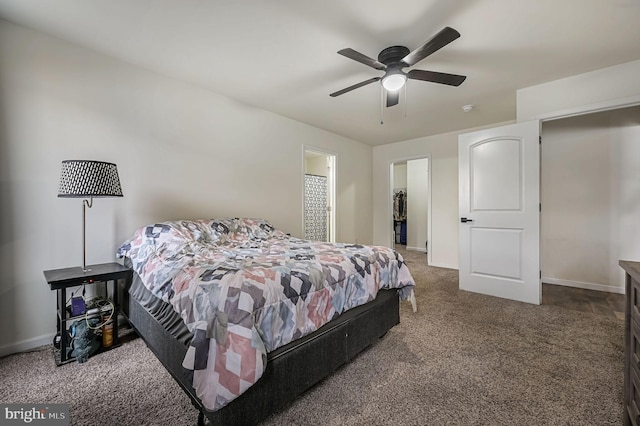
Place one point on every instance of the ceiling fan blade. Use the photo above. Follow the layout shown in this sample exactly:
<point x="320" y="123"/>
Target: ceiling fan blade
<point x="393" y="98"/>
<point x="363" y="59"/>
<point x="437" y="77"/>
<point x="435" y="43"/>
<point x="355" y="86"/>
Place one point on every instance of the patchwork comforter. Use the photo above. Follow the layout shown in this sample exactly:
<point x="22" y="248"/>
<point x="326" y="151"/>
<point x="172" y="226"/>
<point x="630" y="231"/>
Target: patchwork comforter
<point x="244" y="289"/>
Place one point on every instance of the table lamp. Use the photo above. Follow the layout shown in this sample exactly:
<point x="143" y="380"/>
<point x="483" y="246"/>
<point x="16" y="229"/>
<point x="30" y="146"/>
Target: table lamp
<point x="88" y="179"/>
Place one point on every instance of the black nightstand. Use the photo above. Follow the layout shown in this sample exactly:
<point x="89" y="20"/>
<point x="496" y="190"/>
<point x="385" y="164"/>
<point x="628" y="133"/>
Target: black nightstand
<point x="61" y="279"/>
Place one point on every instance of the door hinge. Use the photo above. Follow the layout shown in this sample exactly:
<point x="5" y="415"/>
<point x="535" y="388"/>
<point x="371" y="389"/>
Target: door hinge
<point x="540" y="140"/>
<point x="540" y="274"/>
<point x="539" y="207"/>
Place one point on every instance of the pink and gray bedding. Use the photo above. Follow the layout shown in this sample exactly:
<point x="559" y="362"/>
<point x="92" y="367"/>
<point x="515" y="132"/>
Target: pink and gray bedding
<point x="244" y="289"/>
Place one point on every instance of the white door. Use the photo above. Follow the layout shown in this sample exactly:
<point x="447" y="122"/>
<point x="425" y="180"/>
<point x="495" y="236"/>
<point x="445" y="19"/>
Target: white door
<point x="499" y="179"/>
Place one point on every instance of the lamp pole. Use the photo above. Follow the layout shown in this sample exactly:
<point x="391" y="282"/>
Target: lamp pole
<point x="85" y="203"/>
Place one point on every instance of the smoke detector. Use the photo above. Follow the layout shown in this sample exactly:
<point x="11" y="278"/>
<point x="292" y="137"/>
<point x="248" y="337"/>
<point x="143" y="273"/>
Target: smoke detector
<point x="467" y="108"/>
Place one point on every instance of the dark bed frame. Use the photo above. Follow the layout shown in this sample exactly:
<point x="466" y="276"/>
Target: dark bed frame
<point x="291" y="369"/>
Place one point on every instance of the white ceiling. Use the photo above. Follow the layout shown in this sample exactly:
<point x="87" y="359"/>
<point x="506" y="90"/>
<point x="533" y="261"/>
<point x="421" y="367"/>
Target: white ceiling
<point x="280" y="55"/>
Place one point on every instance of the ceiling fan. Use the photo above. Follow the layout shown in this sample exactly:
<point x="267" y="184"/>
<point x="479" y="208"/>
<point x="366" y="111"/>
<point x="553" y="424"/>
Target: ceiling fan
<point x="393" y="59"/>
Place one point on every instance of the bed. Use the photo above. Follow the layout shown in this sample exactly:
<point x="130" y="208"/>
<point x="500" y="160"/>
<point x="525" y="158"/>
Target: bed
<point x="246" y="318"/>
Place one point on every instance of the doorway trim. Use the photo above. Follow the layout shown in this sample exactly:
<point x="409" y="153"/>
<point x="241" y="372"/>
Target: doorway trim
<point x="332" y="178"/>
<point x="593" y="108"/>
<point x="389" y="216"/>
<point x="589" y="109"/>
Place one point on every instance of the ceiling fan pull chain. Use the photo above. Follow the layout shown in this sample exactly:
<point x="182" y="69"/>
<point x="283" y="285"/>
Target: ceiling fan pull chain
<point x="405" y="100"/>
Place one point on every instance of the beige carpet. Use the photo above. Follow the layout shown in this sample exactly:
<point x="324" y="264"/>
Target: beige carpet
<point x="462" y="359"/>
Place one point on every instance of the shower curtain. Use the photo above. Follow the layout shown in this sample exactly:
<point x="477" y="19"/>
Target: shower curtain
<point x="315" y="207"/>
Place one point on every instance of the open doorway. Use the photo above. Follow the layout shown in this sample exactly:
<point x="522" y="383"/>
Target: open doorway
<point x="589" y="185"/>
<point x="410" y="203"/>
<point x="319" y="195"/>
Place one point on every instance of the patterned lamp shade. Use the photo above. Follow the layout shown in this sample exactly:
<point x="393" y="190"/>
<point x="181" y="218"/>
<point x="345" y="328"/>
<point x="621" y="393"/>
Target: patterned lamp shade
<point x="87" y="178"/>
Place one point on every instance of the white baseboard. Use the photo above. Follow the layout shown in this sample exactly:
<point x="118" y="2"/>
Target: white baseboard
<point x="36" y="342"/>
<point x="444" y="265"/>
<point x="422" y="249"/>
<point x="586" y="286"/>
<point x="26" y="345"/>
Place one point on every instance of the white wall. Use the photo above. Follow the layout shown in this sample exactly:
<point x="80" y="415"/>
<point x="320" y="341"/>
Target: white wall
<point x="417" y="203"/>
<point x="316" y="165"/>
<point x="181" y="151"/>
<point x="590" y="190"/>
<point x="400" y="176"/>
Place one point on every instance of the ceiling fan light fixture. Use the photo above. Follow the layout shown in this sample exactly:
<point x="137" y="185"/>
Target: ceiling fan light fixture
<point x="394" y="82"/>
<point x="393" y="59"/>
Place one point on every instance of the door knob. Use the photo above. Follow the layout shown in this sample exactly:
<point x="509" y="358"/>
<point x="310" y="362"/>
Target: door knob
<point x="465" y="220"/>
